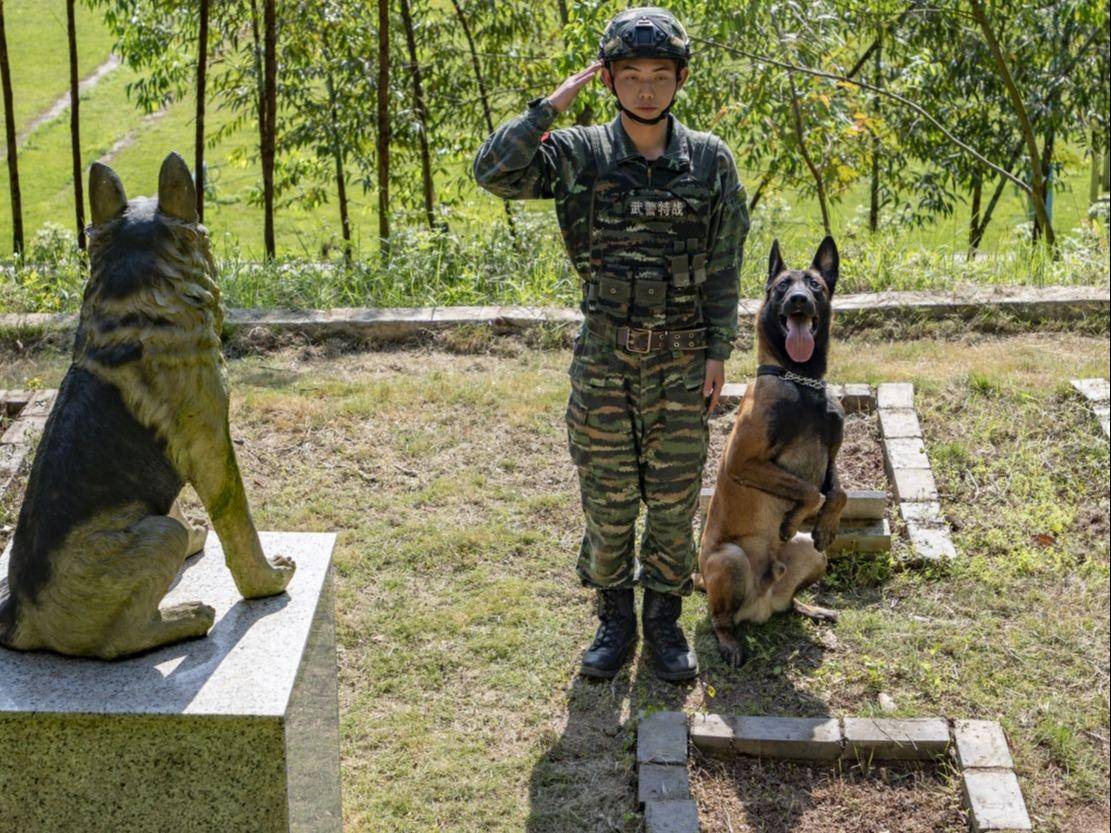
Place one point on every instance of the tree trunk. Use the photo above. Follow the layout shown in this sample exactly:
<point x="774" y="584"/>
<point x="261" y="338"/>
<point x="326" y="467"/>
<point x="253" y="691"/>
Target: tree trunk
<point x="9" y="125"/>
<point x="1106" y="174"/>
<point x="421" y="111"/>
<point x="974" y="234"/>
<point x="1037" y="191"/>
<point x="75" y="125"/>
<point x="198" y="142"/>
<point x="270" y="105"/>
<point x="337" y="152"/>
<point x="874" y="191"/>
<point x="759" y="192"/>
<point x="1000" y="187"/>
<point x="466" y="27"/>
<point x="800" y="137"/>
<point x="384" y="126"/>
<point x="1093" y="182"/>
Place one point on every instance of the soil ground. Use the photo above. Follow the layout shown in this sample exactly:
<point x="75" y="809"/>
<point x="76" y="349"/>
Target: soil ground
<point x="460" y="624"/>
<point x="747" y="795"/>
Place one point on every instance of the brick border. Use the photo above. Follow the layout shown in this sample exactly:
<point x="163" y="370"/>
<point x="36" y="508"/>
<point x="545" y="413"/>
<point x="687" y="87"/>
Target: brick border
<point x="30" y="409"/>
<point x="1032" y="304"/>
<point x="909" y="472"/>
<point x="1097" y="392"/>
<point x="978" y="748"/>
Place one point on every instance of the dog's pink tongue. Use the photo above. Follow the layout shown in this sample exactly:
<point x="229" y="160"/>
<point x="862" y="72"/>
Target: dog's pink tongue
<point x="800" y="341"/>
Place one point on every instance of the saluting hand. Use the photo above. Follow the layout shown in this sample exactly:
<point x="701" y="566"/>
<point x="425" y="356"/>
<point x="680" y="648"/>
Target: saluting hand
<point x="565" y="93"/>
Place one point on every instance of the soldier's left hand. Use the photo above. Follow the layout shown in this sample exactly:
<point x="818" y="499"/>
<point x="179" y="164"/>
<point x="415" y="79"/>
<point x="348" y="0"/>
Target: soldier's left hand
<point x="715" y="381"/>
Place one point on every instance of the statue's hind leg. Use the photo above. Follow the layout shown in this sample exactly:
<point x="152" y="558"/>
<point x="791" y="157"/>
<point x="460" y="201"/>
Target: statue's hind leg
<point x="197" y="534"/>
<point x="158" y="546"/>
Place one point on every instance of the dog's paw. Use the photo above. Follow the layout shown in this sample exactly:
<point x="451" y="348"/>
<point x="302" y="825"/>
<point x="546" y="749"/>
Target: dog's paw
<point x="787" y="530"/>
<point x="734" y="655"/>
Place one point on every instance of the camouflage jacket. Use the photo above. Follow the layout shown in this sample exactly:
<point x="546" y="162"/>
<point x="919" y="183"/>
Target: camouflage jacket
<point x="615" y="212"/>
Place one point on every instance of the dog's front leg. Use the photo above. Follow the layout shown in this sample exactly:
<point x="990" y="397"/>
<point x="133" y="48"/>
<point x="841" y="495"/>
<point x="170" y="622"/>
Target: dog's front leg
<point x="829" y="518"/>
<point x="204" y="453"/>
<point x="775" y="480"/>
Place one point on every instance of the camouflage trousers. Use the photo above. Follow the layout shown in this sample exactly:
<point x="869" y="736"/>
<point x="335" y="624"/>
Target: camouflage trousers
<point x="638" y="432"/>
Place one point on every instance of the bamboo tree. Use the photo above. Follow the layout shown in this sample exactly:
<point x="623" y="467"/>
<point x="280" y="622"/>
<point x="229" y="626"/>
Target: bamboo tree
<point x="874" y="190"/>
<point x="202" y="66"/>
<point x="383" y="125"/>
<point x="1038" y="189"/>
<point x="9" y="125"/>
<point x="484" y="97"/>
<point x="270" y="107"/>
<point x="421" y="113"/>
<point x="75" y="125"/>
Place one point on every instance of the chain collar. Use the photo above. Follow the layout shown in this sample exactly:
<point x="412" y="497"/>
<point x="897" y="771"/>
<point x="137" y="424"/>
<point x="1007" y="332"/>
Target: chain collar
<point x="790" y="376"/>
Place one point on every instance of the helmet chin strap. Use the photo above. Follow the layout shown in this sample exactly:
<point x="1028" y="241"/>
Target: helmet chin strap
<point x="640" y="119"/>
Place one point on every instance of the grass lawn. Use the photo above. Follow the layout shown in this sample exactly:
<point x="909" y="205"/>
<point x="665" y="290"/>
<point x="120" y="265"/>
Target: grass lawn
<point x="39" y="54"/>
<point x="460" y="623"/>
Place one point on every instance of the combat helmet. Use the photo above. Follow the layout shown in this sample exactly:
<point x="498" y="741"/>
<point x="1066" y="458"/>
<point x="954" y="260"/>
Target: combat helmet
<point x="644" y="32"/>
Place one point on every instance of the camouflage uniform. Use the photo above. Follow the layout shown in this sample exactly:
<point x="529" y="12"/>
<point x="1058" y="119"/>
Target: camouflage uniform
<point x="657" y="246"/>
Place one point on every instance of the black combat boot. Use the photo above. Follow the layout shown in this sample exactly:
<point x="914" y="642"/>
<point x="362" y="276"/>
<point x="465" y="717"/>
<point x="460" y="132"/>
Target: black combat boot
<point x="616" y="634"/>
<point x="672" y="658"/>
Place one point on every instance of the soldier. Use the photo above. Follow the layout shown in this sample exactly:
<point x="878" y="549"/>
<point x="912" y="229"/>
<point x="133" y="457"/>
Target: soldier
<point x="654" y="218"/>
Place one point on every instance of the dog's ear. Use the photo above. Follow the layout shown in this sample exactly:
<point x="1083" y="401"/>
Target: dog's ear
<point x="827" y="262"/>
<point x="776" y="266"/>
<point x="177" y="195"/>
<point x="106" y="195"/>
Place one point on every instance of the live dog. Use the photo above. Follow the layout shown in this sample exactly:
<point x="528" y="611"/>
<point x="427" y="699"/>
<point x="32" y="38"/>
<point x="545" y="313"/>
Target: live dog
<point x="779" y="462"/>
<point x="142" y="410"/>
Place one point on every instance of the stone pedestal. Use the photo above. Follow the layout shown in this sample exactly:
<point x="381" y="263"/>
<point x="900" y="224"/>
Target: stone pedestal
<point x="237" y="732"/>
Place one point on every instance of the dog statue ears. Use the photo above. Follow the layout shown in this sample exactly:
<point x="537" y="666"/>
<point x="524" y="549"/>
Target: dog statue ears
<point x="177" y="194"/>
<point x="826" y="262"/>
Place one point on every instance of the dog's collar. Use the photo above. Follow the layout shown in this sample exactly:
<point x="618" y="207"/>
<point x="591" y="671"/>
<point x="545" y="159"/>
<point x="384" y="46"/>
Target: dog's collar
<point x="790" y="376"/>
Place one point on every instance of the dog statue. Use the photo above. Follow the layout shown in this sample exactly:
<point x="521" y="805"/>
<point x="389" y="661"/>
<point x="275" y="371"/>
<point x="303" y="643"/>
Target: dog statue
<point x="143" y="409"/>
<point x="779" y="461"/>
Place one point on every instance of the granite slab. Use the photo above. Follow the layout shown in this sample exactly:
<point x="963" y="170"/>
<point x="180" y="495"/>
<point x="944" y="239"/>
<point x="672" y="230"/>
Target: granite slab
<point x="235" y="731"/>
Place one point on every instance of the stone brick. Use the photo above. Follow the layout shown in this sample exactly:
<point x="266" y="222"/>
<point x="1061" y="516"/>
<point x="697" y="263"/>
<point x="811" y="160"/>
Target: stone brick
<point x="39" y="404"/>
<point x="905" y="453"/>
<point x="1096" y="390"/>
<point x="890" y="739"/>
<point x="662" y="738"/>
<point x="897" y="423"/>
<point x="712" y="734"/>
<point x="981" y="744"/>
<point x="671" y="817"/>
<point x="895" y="395"/>
<point x="914" y="485"/>
<point x="861" y="536"/>
<point x="930" y="542"/>
<point x="732" y="393"/>
<point x="857" y="398"/>
<point x="923" y="513"/>
<point x="663" y="782"/>
<point x="804" y="738"/>
<point x="995" y="801"/>
<point x="23" y="430"/>
<point x="10" y="458"/>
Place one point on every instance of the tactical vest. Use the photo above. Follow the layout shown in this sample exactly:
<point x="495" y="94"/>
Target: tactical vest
<point x="647" y="243"/>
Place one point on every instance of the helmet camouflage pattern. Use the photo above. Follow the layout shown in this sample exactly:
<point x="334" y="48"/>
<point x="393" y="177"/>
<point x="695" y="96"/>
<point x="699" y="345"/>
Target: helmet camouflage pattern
<point x="645" y="32"/>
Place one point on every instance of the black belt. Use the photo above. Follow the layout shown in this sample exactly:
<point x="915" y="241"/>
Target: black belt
<point x="645" y="341"/>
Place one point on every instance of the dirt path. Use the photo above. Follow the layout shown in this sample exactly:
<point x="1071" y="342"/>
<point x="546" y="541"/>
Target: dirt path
<point x="128" y="138"/>
<point x="62" y="103"/>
